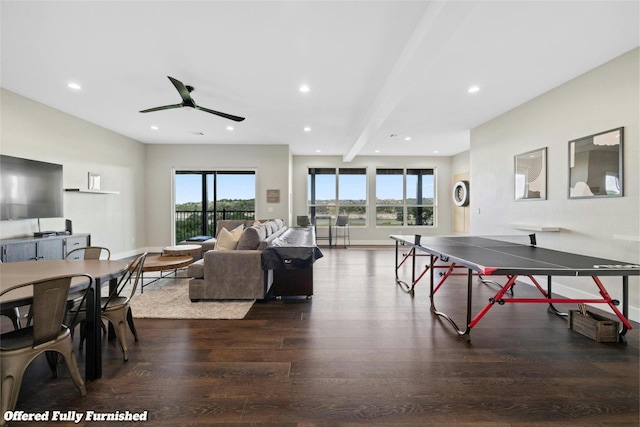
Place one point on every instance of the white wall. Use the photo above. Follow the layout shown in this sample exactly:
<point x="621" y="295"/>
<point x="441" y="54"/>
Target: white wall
<point x="602" y="99"/>
<point x="270" y="162"/>
<point x="460" y="163"/>
<point x="371" y="234"/>
<point x="34" y="131"/>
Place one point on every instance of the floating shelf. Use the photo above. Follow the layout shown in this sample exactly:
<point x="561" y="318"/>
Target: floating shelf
<point x="533" y="227"/>
<point x="79" y="190"/>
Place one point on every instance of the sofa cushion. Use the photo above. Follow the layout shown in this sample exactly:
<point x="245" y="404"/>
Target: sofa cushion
<point x="196" y="269"/>
<point x="251" y="238"/>
<point x="267" y="228"/>
<point x="228" y="240"/>
<point x="273" y="226"/>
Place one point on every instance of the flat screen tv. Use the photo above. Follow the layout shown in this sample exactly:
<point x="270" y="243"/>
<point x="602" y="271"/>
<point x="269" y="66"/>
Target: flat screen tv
<point x="30" y="189"/>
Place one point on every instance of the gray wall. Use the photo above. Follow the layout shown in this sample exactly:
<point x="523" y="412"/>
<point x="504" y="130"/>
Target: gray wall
<point x="34" y="131"/>
<point x="602" y="99"/>
<point x="379" y="235"/>
<point x="270" y="162"/>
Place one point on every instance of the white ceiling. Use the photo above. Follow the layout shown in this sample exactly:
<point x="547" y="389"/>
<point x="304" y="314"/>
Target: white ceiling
<point x="375" y="68"/>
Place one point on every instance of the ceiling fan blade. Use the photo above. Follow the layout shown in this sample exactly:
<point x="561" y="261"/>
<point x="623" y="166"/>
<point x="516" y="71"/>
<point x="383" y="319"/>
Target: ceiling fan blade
<point x="183" y="91"/>
<point x="218" y="113"/>
<point x="164" y="107"/>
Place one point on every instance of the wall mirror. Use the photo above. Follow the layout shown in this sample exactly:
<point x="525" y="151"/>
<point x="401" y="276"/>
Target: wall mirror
<point x="530" y="175"/>
<point x="595" y="165"/>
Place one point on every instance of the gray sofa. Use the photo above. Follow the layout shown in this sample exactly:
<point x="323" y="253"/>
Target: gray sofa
<point x="237" y="273"/>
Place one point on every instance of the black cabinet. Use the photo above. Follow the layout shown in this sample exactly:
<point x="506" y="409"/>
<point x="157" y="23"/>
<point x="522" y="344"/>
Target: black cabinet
<point x="37" y="248"/>
<point x="293" y="282"/>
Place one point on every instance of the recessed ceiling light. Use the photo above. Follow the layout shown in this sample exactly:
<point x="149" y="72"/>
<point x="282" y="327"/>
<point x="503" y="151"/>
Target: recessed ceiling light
<point x="473" y="89"/>
<point x="436" y="151"/>
<point x="376" y="151"/>
<point x="154" y="127"/>
<point x="407" y="138"/>
<point x="307" y="129"/>
<point x="318" y="151"/>
<point x="304" y="88"/>
<point x="229" y="128"/>
<point x="74" y="86"/>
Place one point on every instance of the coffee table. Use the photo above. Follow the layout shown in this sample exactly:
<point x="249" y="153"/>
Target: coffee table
<point x="163" y="263"/>
<point x="192" y="250"/>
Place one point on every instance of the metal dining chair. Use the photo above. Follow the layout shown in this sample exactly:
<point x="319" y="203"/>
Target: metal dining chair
<point x="115" y="308"/>
<point x="13" y="314"/>
<point x="89" y="252"/>
<point x="47" y="334"/>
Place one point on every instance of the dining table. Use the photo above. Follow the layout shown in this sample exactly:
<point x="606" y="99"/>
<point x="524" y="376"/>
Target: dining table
<point x="103" y="271"/>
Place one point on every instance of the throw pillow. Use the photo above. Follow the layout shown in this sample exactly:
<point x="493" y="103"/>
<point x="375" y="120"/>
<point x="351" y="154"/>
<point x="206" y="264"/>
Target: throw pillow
<point x="226" y="241"/>
<point x="251" y="238"/>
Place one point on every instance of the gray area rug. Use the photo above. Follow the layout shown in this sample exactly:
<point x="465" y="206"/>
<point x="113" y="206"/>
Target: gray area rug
<point x="169" y="299"/>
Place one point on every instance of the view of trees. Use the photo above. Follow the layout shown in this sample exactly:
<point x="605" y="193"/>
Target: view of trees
<point x="189" y="216"/>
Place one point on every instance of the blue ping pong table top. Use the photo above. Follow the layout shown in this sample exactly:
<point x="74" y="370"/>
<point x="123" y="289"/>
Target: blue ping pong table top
<point x="493" y="256"/>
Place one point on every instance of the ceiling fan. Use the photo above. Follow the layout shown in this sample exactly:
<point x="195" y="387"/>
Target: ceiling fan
<point x="187" y="101"/>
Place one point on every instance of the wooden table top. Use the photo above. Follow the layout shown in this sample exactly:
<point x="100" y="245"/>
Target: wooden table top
<point x="17" y="273"/>
<point x="161" y="262"/>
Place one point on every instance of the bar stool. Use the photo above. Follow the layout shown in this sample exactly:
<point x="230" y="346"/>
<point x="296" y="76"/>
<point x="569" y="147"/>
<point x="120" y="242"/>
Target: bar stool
<point x="322" y="221"/>
<point x="342" y="222"/>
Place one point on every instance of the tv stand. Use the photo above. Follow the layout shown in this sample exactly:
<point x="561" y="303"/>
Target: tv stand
<point x="46" y="247"/>
<point x="44" y="233"/>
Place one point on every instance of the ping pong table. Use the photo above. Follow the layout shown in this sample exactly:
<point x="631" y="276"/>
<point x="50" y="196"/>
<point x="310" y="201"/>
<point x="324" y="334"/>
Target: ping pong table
<point x="504" y="257"/>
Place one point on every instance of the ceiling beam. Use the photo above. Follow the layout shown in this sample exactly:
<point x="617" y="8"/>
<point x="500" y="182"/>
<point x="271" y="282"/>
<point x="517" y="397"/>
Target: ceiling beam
<point x="439" y="21"/>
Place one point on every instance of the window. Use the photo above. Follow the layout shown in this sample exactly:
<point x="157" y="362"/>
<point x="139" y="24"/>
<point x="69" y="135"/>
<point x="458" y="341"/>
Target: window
<point x="352" y="195"/>
<point x="405" y="197"/>
<point x="321" y="188"/>
<point x="202" y="198"/>
<point x="340" y="191"/>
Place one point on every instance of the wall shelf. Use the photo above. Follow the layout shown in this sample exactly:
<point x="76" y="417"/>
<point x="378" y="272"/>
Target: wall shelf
<point x="533" y="227"/>
<point x="79" y="190"/>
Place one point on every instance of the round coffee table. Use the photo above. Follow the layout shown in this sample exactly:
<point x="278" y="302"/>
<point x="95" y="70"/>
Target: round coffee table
<point x="163" y="263"/>
<point x="194" y="251"/>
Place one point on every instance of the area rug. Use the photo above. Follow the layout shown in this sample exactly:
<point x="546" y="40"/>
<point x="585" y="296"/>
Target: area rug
<point x="169" y="299"/>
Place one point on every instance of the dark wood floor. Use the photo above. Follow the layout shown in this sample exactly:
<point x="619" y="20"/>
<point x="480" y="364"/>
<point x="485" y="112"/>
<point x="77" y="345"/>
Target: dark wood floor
<point x="361" y="352"/>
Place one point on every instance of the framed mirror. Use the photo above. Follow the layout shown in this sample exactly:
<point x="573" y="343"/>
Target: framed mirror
<point x="530" y="175"/>
<point x="595" y="165"/>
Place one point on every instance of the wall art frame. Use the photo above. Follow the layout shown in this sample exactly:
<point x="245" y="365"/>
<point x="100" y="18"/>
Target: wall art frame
<point x="94" y="181"/>
<point x="530" y="175"/>
<point x="596" y="165"/>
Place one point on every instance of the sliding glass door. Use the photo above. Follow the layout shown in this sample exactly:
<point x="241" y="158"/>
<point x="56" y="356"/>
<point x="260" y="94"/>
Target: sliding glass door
<point x="202" y="198"/>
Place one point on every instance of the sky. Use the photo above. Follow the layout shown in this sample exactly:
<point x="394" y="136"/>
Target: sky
<point x="189" y="187"/>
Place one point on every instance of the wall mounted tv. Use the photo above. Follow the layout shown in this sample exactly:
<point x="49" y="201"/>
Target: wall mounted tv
<point x="30" y="189"/>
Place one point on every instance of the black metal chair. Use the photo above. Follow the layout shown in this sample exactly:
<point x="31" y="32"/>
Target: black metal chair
<point x="303" y="221"/>
<point x="115" y="307"/>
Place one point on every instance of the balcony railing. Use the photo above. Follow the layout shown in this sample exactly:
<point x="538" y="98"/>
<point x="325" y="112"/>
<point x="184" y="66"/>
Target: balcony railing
<point x="189" y="223"/>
